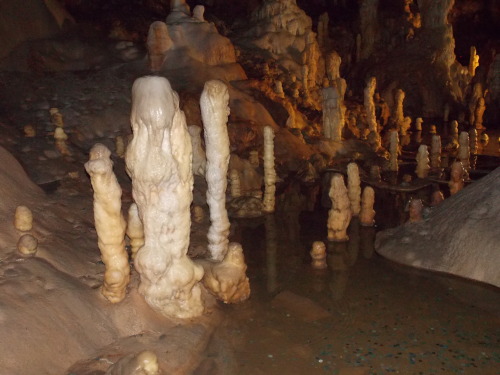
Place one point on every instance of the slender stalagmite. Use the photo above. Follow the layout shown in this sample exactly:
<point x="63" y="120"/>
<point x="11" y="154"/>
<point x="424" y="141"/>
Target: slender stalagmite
<point x="215" y="112"/>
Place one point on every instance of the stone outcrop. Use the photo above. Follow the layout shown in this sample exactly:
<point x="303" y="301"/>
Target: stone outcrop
<point x="459" y="237"/>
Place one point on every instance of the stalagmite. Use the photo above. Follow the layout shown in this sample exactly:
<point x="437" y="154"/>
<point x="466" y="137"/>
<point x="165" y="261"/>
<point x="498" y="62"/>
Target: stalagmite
<point x="333" y="114"/>
<point x="354" y="188"/>
<point x="318" y="255"/>
<point x="398" y="116"/>
<point x="135" y="230"/>
<point x="109" y="223"/>
<point x="235" y="185"/>
<point x="269" y="171"/>
<point x="215" y="112"/>
<point x="368" y="19"/>
<point x="369" y="104"/>
<point x="478" y="114"/>
<point x="332" y="64"/>
<point x="367" y="214"/>
<point x="323" y="37"/>
<point x="227" y="280"/>
<point x="418" y="124"/>
<point x="198" y="214"/>
<point x="199" y="157"/>
<point x="393" y="151"/>
<point x="199" y="13"/>
<point x="464" y="150"/>
<point x="60" y="138"/>
<point x="422" y="162"/>
<point x="120" y="147"/>
<point x="340" y="214"/>
<point x="23" y="219"/>
<point x="158" y="160"/>
<point x="158" y="43"/>
<point x="456" y="182"/>
<point x="436" y="151"/>
<point x="27" y="244"/>
<point x="454" y="128"/>
<point x="473" y="61"/>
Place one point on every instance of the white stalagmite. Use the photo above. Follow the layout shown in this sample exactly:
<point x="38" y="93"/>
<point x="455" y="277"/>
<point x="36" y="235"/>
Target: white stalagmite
<point x="23" y="219"/>
<point x="109" y="223"/>
<point x="369" y="104"/>
<point x="367" y="215"/>
<point x="354" y="188"/>
<point x="422" y="162"/>
<point x="199" y="157"/>
<point x="436" y="151"/>
<point x="340" y="214"/>
<point x="269" y="171"/>
<point x="215" y="112"/>
<point x="393" y="151"/>
<point x="158" y="160"/>
<point x="135" y="230"/>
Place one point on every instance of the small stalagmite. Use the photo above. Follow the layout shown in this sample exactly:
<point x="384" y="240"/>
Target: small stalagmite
<point x="109" y="223"/>
<point x="354" y="188"/>
<point x="318" y="255"/>
<point x="416" y="207"/>
<point x="457" y="173"/>
<point x="340" y="214"/>
<point x="23" y="219"/>
<point x="269" y="171"/>
<point x="158" y="43"/>
<point x="436" y="151"/>
<point x="464" y="150"/>
<point x="367" y="214"/>
<point x="423" y="161"/>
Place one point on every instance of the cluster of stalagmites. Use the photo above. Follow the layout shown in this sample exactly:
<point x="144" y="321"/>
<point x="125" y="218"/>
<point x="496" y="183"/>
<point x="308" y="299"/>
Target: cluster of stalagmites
<point x="159" y="162"/>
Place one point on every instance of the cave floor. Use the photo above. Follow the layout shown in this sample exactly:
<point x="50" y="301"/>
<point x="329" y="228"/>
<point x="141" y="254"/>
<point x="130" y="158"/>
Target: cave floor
<point x="361" y="315"/>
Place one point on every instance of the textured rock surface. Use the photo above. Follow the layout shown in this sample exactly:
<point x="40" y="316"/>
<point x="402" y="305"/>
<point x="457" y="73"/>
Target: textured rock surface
<point x="467" y="245"/>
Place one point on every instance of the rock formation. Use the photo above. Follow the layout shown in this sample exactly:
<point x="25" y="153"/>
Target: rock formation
<point x="465" y="246"/>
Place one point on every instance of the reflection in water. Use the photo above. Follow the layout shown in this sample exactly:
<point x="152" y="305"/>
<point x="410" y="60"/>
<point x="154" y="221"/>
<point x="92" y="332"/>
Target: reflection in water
<point x="271" y="253"/>
<point x="381" y="318"/>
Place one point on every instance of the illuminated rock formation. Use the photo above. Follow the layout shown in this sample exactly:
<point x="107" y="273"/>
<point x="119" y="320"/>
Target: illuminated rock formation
<point x="109" y="223"/>
<point x="159" y="162"/>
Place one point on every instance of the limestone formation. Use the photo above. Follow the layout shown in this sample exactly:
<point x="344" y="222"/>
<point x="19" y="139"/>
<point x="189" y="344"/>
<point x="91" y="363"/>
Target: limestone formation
<point x="398" y="116"/>
<point x="27" y="244"/>
<point x="333" y="113"/>
<point x="457" y="173"/>
<point x="369" y="27"/>
<point x="354" y="188"/>
<point x="199" y="157"/>
<point x="318" y="255"/>
<point x="227" y="280"/>
<point x="436" y="151"/>
<point x="340" y="214"/>
<point x="422" y="162"/>
<point x="109" y="223"/>
<point x="464" y="150"/>
<point x="473" y="61"/>
<point x="235" y="184"/>
<point x="369" y="104"/>
<point x="418" y="124"/>
<point x="159" y="162"/>
<point x="23" y="219"/>
<point x="367" y="214"/>
<point x="415" y="211"/>
<point x="268" y="202"/>
<point x="215" y="112"/>
<point x="460" y="236"/>
<point x="135" y="230"/>
<point x="142" y="363"/>
<point x="158" y="43"/>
